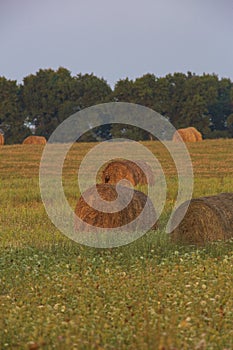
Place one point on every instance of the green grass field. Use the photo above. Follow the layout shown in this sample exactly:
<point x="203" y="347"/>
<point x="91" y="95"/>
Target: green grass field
<point x="151" y="294"/>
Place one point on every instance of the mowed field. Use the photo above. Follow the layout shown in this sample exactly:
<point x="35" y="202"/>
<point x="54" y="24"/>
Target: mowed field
<point x="151" y="294"/>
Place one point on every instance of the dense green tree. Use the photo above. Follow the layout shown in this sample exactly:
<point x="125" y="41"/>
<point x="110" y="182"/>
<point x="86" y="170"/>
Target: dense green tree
<point x="222" y="108"/>
<point x="44" y="97"/>
<point x="50" y="96"/>
<point x="176" y="88"/>
<point x="124" y="91"/>
<point x="162" y="100"/>
<point x="90" y="90"/>
<point x="11" y="116"/>
<point x="144" y="90"/>
<point x="195" y="113"/>
<point x="141" y="91"/>
<point x="199" y="93"/>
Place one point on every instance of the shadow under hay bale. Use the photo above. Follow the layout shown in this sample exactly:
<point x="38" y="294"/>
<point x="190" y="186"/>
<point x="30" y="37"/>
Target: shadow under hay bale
<point x="102" y="219"/>
<point x="187" y="135"/>
<point x="35" y="140"/>
<point x="207" y="219"/>
<point x="119" y="170"/>
<point x="1" y="139"/>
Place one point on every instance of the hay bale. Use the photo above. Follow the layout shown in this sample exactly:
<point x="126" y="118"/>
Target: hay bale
<point x="35" y="140"/>
<point x="103" y="219"/>
<point x="1" y="139"/>
<point x="207" y="219"/>
<point x="187" y="134"/>
<point x="184" y="134"/>
<point x="197" y="134"/>
<point x="125" y="169"/>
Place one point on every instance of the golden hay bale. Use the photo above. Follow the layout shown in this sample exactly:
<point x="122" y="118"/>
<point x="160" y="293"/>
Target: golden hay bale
<point x="185" y="134"/>
<point x="1" y="139"/>
<point x="189" y="134"/>
<point x="103" y="219"/>
<point x="197" y="134"/>
<point x="125" y="169"/>
<point x="207" y="219"/>
<point x="35" y="140"/>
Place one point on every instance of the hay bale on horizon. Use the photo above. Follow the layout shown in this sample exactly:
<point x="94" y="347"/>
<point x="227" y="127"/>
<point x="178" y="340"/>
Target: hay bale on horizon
<point x="197" y="133"/>
<point x="127" y="170"/>
<point x="185" y="135"/>
<point x="1" y="139"/>
<point x="207" y="219"/>
<point x="116" y="219"/>
<point x="189" y="134"/>
<point x="35" y="140"/>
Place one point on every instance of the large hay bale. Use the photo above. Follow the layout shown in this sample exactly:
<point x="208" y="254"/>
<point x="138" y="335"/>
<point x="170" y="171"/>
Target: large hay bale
<point x="35" y="140"/>
<point x="207" y="219"/>
<point x="117" y="219"/>
<point x="1" y="139"/>
<point x="187" y="135"/>
<point x="119" y="170"/>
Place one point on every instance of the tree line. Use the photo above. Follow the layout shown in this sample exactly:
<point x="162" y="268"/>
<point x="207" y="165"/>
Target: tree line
<point x="45" y="99"/>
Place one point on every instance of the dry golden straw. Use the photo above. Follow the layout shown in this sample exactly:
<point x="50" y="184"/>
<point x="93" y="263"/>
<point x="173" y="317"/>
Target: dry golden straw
<point x="116" y="219"/>
<point x="207" y="219"/>
<point x="35" y="140"/>
<point x="190" y="134"/>
<point x="1" y="139"/>
<point x="128" y="170"/>
<point x="197" y="134"/>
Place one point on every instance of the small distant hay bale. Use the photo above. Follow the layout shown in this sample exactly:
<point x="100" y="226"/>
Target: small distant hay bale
<point x="102" y="219"/>
<point x="1" y="139"/>
<point x="119" y="170"/>
<point x="187" y="135"/>
<point x="207" y="219"/>
<point x="197" y="134"/>
<point x="35" y="140"/>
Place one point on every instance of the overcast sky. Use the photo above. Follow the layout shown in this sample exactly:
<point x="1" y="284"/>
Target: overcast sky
<point x="116" y="39"/>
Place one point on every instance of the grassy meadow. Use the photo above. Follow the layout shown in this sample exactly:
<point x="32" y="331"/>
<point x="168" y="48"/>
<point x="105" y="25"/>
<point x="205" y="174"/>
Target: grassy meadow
<point x="151" y="294"/>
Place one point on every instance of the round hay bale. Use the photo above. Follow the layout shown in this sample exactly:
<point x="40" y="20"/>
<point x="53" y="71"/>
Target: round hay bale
<point x="197" y="134"/>
<point x="103" y="219"/>
<point x="185" y="134"/>
<point x="119" y="170"/>
<point x="1" y="139"/>
<point x="35" y="140"/>
<point x="207" y="219"/>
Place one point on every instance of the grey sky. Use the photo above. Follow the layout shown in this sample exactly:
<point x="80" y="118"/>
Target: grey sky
<point x="116" y="39"/>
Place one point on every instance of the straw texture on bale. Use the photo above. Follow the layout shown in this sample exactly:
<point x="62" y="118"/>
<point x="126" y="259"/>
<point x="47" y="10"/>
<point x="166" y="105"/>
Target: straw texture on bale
<point x="207" y="219"/>
<point x="197" y="134"/>
<point x="119" y="170"/>
<point x="103" y="219"/>
<point x="187" y="134"/>
<point x="1" y="139"/>
<point x="35" y="140"/>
